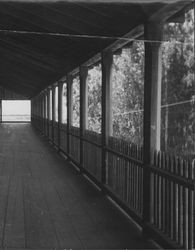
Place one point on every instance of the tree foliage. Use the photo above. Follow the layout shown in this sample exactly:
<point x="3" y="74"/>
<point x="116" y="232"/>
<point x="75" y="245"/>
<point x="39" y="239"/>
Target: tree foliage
<point x="178" y="91"/>
<point x="95" y="99"/>
<point x="128" y="93"/>
<point x="76" y="102"/>
<point x="178" y="88"/>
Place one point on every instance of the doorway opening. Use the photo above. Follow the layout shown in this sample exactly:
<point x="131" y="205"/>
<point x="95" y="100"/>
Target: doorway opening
<point x="16" y="111"/>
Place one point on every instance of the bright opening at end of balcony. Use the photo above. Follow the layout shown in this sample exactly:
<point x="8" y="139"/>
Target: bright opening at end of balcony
<point x="16" y="111"/>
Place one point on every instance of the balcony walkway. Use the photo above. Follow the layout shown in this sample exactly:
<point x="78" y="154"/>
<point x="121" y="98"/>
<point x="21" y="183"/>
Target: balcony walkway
<point x="46" y="204"/>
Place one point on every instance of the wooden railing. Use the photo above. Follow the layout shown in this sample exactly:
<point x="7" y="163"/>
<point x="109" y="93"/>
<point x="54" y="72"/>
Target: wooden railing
<point x="172" y="190"/>
<point x="50" y="130"/>
<point x="55" y="133"/>
<point x="172" y="187"/>
<point x="46" y="127"/>
<point x="63" y="138"/>
<point x="74" y="146"/>
<point x="93" y="153"/>
<point x="125" y="172"/>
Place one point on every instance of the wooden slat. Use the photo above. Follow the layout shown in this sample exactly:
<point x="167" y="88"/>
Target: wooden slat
<point x="191" y="208"/>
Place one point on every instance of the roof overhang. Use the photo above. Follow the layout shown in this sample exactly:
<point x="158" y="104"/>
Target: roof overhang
<point x="42" y="40"/>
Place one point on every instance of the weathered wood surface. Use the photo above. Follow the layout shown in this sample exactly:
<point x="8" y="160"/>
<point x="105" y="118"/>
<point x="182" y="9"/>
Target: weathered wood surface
<point x="173" y="198"/>
<point x="46" y="204"/>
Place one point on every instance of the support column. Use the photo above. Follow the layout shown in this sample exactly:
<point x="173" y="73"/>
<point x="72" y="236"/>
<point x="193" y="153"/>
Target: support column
<point x="152" y="110"/>
<point x="107" y="62"/>
<point x="83" y="109"/>
<point x="0" y="110"/>
<point x="53" y="112"/>
<point x="48" y="110"/>
<point x="40" y="113"/>
<point x="60" y="87"/>
<point x="43" y="112"/>
<point x="32" y="110"/>
<point x="69" y="110"/>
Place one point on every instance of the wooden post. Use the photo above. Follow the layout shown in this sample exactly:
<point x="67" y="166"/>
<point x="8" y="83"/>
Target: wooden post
<point x="39" y="112"/>
<point x="32" y="110"/>
<point x="69" y="110"/>
<point x="53" y="111"/>
<point x="42" y="112"/>
<point x="83" y="109"/>
<point x="60" y="87"/>
<point x="45" y="112"/>
<point x="43" y="105"/>
<point x="107" y="62"/>
<point x="48" y="111"/>
<point x="152" y="111"/>
<point x="0" y="111"/>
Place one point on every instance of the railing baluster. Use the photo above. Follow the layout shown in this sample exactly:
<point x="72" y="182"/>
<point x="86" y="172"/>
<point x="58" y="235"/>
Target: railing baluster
<point x="185" y="208"/>
<point x="191" y="209"/>
<point x="175" y="203"/>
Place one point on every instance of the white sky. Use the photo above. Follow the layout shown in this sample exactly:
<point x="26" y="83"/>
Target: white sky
<point x="16" y="107"/>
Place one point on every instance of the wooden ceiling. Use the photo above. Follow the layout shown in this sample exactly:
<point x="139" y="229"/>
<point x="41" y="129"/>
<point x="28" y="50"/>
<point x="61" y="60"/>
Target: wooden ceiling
<point x="33" y="54"/>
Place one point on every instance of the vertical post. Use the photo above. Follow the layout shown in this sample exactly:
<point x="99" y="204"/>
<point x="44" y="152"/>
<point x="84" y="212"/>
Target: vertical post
<point x="60" y="87"/>
<point x="152" y="111"/>
<point x="107" y="62"/>
<point x="1" y="111"/>
<point x="45" y="110"/>
<point x="53" y="111"/>
<point x="41" y="111"/>
<point x="39" y="103"/>
<point x="32" y="109"/>
<point x="69" y="110"/>
<point x="37" y="115"/>
<point x="83" y="109"/>
<point x="48" y="111"/>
